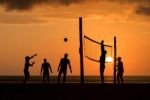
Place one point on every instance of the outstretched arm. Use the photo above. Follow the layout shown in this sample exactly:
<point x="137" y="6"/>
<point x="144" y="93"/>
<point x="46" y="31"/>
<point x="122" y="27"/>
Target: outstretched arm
<point x="33" y="56"/>
<point x="70" y="66"/>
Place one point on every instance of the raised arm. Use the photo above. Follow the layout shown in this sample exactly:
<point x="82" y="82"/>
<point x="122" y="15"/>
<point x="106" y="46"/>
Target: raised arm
<point x="33" y="56"/>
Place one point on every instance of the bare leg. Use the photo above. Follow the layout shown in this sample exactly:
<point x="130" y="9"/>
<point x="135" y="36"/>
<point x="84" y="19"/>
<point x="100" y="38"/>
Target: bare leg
<point x="118" y="77"/>
<point x="48" y="78"/>
<point x="26" y="76"/>
<point x="59" y="75"/>
<point x="102" y="75"/>
<point x="122" y="81"/>
<point x="64" y="79"/>
<point x="44" y="81"/>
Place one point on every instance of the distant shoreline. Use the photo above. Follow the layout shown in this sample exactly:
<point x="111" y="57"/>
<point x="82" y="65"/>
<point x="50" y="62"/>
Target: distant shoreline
<point x="76" y="79"/>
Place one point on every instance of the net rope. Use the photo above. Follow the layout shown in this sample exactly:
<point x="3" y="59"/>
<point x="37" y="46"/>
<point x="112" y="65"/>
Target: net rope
<point x="96" y="44"/>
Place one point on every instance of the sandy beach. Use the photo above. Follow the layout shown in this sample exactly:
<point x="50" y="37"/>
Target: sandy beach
<point x="74" y="92"/>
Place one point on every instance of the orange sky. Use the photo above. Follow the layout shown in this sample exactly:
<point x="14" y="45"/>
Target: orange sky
<point x="40" y="26"/>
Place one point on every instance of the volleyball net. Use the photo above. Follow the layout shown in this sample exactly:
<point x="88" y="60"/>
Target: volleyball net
<point x="92" y="50"/>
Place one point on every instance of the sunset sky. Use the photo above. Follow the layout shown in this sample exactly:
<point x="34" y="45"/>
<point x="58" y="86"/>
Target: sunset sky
<point x="39" y="26"/>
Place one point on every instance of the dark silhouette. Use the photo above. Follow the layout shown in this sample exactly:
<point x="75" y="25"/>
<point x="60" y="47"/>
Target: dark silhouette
<point x="81" y="50"/>
<point x="26" y="67"/>
<point x="102" y="46"/>
<point x="102" y="61"/>
<point x="62" y="68"/>
<point x="45" y="69"/>
<point x="120" y="70"/>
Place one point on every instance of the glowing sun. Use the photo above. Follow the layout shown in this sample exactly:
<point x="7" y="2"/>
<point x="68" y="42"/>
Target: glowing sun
<point x="109" y="59"/>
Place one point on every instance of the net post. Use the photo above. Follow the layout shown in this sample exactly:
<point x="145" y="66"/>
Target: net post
<point x="81" y="51"/>
<point x="115" y="58"/>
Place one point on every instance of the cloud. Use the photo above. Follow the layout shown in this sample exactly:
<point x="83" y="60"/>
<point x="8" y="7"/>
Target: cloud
<point x="29" y="4"/>
<point x="102" y="9"/>
<point x="143" y="10"/>
<point x="20" y="19"/>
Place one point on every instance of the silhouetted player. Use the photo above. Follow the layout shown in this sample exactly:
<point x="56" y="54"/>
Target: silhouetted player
<point x="102" y="61"/>
<point x="120" y="70"/>
<point x="62" y="68"/>
<point x="26" y="67"/>
<point x="45" y="69"/>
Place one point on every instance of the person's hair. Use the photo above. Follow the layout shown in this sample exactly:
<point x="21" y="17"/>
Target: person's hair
<point x="66" y="55"/>
<point x="102" y="41"/>
<point x="119" y="58"/>
<point x="27" y="57"/>
<point x="45" y="60"/>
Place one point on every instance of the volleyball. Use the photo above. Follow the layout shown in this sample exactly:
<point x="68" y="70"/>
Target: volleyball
<point x="65" y="39"/>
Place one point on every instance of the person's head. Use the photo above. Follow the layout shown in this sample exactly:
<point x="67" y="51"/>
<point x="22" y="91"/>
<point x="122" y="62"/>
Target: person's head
<point x="102" y="42"/>
<point x="66" y="55"/>
<point x="27" y="57"/>
<point x="45" y="60"/>
<point x="119" y="58"/>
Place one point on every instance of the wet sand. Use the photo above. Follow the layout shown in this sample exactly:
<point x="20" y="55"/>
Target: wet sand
<point x="74" y="92"/>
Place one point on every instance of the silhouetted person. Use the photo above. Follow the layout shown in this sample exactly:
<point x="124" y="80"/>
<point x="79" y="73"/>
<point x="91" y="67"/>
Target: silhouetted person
<point x="45" y="69"/>
<point x="62" y="68"/>
<point x="102" y="60"/>
<point x="26" y="67"/>
<point x="120" y="70"/>
<point x="102" y="65"/>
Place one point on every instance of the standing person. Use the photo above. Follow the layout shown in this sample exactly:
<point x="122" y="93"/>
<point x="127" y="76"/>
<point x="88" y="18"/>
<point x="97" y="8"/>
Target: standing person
<point x="102" y="65"/>
<point x="45" y="69"/>
<point x="62" y="68"/>
<point x="102" y="61"/>
<point x="120" y="70"/>
<point x="26" y="67"/>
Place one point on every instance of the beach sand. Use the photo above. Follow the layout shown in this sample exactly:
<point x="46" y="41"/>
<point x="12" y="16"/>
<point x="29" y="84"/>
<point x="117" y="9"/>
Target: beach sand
<point x="74" y="91"/>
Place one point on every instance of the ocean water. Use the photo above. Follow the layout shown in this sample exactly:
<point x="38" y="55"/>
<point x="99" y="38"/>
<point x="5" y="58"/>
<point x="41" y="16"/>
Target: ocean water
<point x="75" y="79"/>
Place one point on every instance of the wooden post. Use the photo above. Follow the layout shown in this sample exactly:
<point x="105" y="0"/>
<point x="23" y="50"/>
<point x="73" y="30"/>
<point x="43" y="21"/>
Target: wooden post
<point x="115" y="58"/>
<point x="81" y="51"/>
